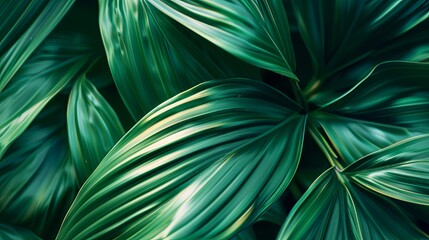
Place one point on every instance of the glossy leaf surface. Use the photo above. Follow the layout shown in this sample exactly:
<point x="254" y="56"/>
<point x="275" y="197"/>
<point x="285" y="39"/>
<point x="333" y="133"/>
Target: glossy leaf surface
<point x="51" y="67"/>
<point x="204" y="164"/>
<point x="25" y="24"/>
<point x="93" y="128"/>
<point x="334" y="208"/>
<point x="37" y="177"/>
<point x="399" y="171"/>
<point x="347" y="38"/>
<point x="9" y="232"/>
<point x="257" y="31"/>
<point x="387" y="106"/>
<point x="154" y="58"/>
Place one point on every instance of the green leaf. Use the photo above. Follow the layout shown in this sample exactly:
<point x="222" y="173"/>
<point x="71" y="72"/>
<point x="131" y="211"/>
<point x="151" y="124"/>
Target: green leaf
<point x="25" y="24"/>
<point x="347" y="38"/>
<point x="204" y="164"/>
<point x="37" y="177"/>
<point x="387" y="106"/>
<point x="335" y="208"/>
<point x="399" y="171"/>
<point x="256" y="31"/>
<point x="154" y="58"/>
<point x="247" y="234"/>
<point x="60" y="58"/>
<point x="8" y="232"/>
<point x="275" y="214"/>
<point x="93" y="128"/>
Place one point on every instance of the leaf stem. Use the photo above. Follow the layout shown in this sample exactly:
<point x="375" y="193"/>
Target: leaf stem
<point x="299" y="95"/>
<point x="324" y="145"/>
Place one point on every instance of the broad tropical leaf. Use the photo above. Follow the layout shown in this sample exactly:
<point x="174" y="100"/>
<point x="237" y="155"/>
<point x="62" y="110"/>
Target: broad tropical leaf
<point x="37" y="177"/>
<point x="257" y="31"/>
<point x="93" y="128"/>
<point x="399" y="171"/>
<point x="387" y="106"/>
<point x="335" y="208"/>
<point x="221" y="152"/>
<point x="25" y="24"/>
<point x="154" y="58"/>
<point x="347" y="38"/>
<point x="9" y="232"/>
<point x="60" y="58"/>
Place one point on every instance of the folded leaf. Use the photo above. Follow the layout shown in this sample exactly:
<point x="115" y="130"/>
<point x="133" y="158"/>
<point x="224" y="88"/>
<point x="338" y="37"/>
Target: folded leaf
<point x="399" y="171"/>
<point x="228" y="148"/>
<point x="154" y="58"/>
<point x="37" y="178"/>
<point x="256" y="31"/>
<point x="347" y="38"/>
<point x="387" y="106"/>
<point x="51" y="67"/>
<point x="9" y="232"/>
<point x="93" y="128"/>
<point x="335" y="208"/>
<point x="25" y="24"/>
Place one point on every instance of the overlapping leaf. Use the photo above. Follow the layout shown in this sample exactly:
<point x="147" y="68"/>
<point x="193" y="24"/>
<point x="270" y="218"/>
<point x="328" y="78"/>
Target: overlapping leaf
<point x="204" y="164"/>
<point x="387" y="106"/>
<point x="256" y="31"/>
<point x="25" y="24"/>
<point x="51" y="67"/>
<point x="37" y="178"/>
<point x="347" y="38"/>
<point x="154" y="58"/>
<point x="247" y="234"/>
<point x="399" y="171"/>
<point x="93" y="128"/>
<point x="335" y="208"/>
<point x="9" y="232"/>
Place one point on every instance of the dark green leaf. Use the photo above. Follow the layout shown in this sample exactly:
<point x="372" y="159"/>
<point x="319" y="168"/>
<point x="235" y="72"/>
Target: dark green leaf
<point x="51" y="67"/>
<point x="256" y="31"/>
<point x="93" y="128"/>
<point x="389" y="105"/>
<point x="275" y="214"/>
<point x="399" y="171"/>
<point x="154" y="58"/>
<point x="24" y="25"/>
<point x="9" y="232"/>
<point x="347" y="38"/>
<point x="37" y="177"/>
<point x="204" y="164"/>
<point x="247" y="234"/>
<point x="334" y="208"/>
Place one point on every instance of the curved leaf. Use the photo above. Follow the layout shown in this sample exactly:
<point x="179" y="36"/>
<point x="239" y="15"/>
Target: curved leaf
<point x="387" y="106"/>
<point x="8" y="232"/>
<point x="229" y="146"/>
<point x="247" y="234"/>
<point x="334" y="208"/>
<point x="60" y="58"/>
<point x="37" y="178"/>
<point x="153" y="58"/>
<point x="255" y="31"/>
<point x="399" y="171"/>
<point x="25" y="24"/>
<point x="275" y="214"/>
<point x="347" y="38"/>
<point x="93" y="128"/>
